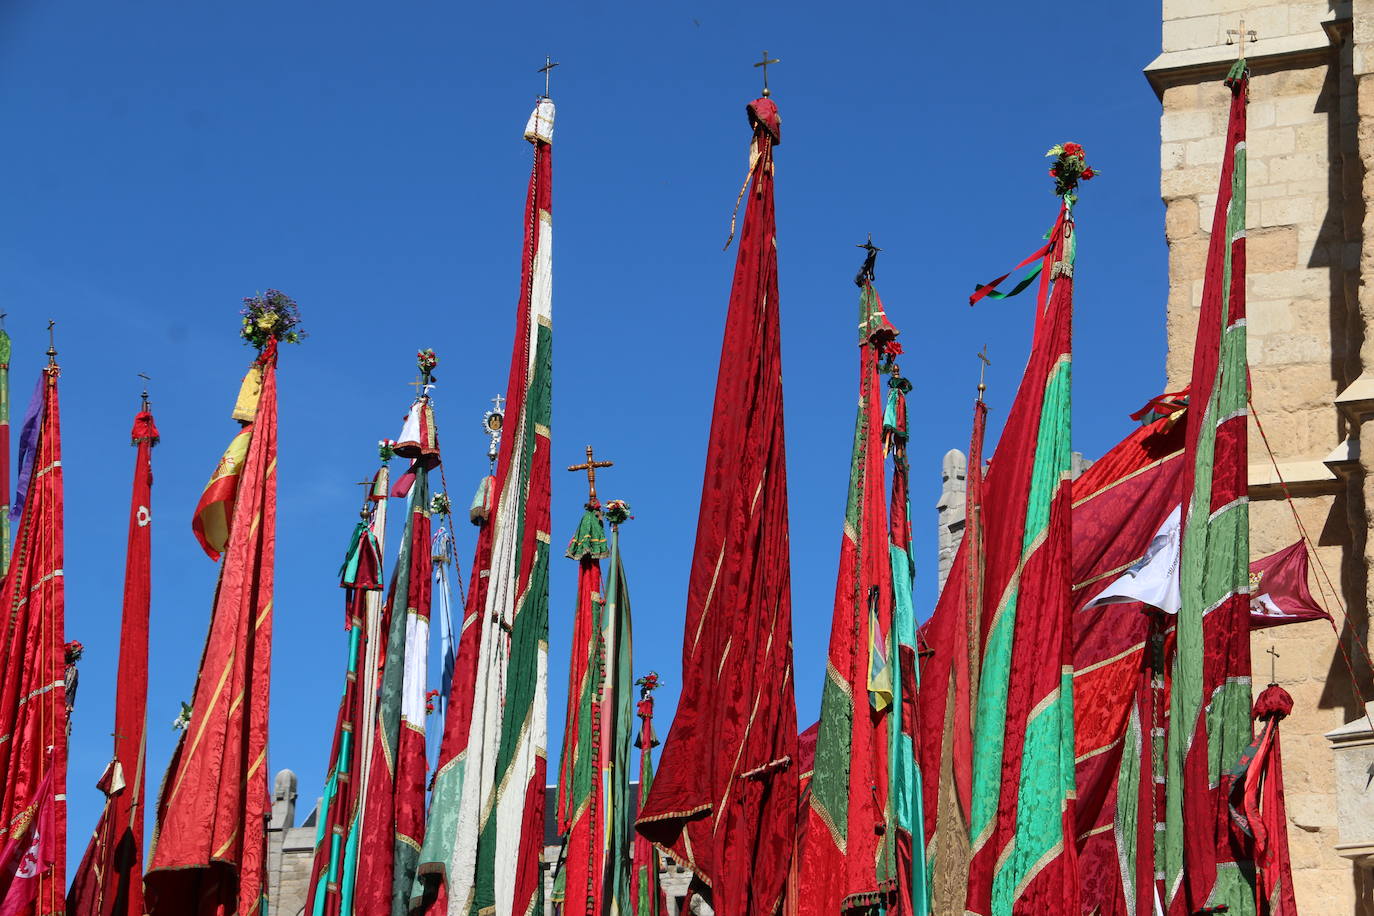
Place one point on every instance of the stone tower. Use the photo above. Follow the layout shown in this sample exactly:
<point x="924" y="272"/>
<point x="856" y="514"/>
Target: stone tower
<point x="1310" y="254"/>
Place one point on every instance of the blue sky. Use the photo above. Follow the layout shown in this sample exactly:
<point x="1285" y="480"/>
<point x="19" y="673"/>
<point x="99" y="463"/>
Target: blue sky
<point x="165" y="159"/>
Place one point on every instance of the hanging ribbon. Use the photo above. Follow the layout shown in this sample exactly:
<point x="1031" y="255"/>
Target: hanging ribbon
<point x="990" y="291"/>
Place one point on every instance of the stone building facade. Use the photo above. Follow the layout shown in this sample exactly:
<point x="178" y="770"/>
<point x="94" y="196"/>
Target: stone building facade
<point x="1310" y="297"/>
<point x="1310" y="291"/>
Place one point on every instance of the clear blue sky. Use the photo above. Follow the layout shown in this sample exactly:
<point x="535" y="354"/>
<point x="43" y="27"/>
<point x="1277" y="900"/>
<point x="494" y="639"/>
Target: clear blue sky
<point x="162" y="160"/>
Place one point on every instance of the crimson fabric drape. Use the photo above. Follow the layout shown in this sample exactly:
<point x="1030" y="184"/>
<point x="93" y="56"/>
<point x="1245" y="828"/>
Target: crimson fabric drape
<point x="724" y="799"/>
<point x="109" y="881"/>
<point x="848" y="859"/>
<point x="33" y="710"/>
<point x="210" y="845"/>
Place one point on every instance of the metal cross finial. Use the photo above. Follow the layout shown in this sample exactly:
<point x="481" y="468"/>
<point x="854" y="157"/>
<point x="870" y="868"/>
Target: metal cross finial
<point x="1273" y="658"/>
<point x="549" y="64"/>
<point x="1239" y="37"/>
<point x="983" y="357"/>
<point x="146" y="378"/>
<point x="52" y="346"/>
<point x="866" y="271"/>
<point x="764" y="64"/>
<point x="367" y="497"/>
<point x="590" y="467"/>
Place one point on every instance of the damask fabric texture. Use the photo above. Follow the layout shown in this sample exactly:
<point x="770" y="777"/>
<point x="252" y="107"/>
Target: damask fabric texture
<point x="1209" y="715"/>
<point x="33" y="710"/>
<point x="335" y="867"/>
<point x="486" y="816"/>
<point x="394" y="806"/>
<point x="581" y="796"/>
<point x="1023" y="780"/>
<point x="952" y="639"/>
<point x="905" y="777"/>
<point x="109" y="881"/>
<point x="848" y="854"/>
<point x="725" y="797"/>
<point x="210" y="844"/>
<point x="1119" y="504"/>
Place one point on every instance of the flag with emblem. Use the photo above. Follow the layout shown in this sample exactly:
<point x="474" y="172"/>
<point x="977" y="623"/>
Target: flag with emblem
<point x="109" y="881"/>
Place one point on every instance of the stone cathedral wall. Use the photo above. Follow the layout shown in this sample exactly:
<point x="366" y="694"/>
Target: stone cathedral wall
<point x="1310" y="139"/>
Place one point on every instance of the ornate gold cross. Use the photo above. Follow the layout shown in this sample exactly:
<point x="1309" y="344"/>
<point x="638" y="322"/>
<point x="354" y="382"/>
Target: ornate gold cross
<point x="590" y="466"/>
<point x="764" y="64"/>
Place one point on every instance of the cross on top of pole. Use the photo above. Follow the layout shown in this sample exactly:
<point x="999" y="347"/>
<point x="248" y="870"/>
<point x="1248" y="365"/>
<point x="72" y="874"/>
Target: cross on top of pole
<point x="983" y="357"/>
<point x="764" y="64"/>
<point x="590" y="466"/>
<point x="1239" y="37"/>
<point x="549" y="64"/>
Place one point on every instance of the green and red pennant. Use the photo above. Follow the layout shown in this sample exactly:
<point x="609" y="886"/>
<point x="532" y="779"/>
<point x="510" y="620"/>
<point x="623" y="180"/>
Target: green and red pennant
<point x="907" y="820"/>
<point x="1021" y="818"/>
<point x="848" y="858"/>
<point x="618" y="732"/>
<point x="724" y="800"/>
<point x="1209" y="705"/>
<point x="210" y="844"/>
<point x="109" y="881"/>
<point x="486" y="820"/>
<point x="33" y="711"/>
<point x="339" y="827"/>
<point x="394" y="805"/>
<point x="581" y="800"/>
